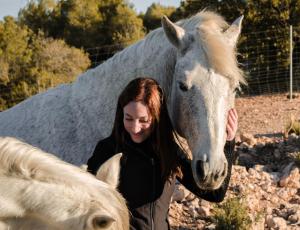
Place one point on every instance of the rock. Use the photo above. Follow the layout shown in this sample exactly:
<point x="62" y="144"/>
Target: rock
<point x="253" y="173"/>
<point x="277" y="154"/>
<point x="292" y="137"/>
<point x="210" y="227"/>
<point x="248" y="138"/>
<point x="293" y="218"/>
<point x="276" y="222"/>
<point x="269" y="221"/>
<point x="203" y="211"/>
<point x="259" y="224"/>
<point x="259" y="168"/>
<point x="294" y="214"/>
<point x="275" y="177"/>
<point x="286" y="170"/>
<point x="290" y="179"/>
<point x="190" y="197"/>
<point x="244" y="145"/>
<point x="179" y="194"/>
<point x="238" y="139"/>
<point x="204" y="203"/>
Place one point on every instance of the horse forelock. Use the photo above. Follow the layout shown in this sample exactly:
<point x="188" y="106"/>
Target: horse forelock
<point x="222" y="56"/>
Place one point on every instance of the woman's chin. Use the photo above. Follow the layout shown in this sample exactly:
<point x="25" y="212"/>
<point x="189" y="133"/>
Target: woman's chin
<point x="137" y="139"/>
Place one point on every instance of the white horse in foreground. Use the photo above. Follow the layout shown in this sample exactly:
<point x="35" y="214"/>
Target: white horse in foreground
<point x="195" y="63"/>
<point x="38" y="191"/>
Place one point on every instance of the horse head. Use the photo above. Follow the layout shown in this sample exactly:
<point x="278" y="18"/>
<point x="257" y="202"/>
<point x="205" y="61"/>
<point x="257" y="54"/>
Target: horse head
<point x="40" y="191"/>
<point x="203" y="90"/>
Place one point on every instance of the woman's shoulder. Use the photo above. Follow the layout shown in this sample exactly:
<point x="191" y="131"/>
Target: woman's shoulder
<point x="104" y="150"/>
<point x="106" y="144"/>
<point x="108" y="140"/>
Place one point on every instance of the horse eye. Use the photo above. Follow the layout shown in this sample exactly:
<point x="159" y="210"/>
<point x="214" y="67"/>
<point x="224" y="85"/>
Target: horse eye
<point x="183" y="86"/>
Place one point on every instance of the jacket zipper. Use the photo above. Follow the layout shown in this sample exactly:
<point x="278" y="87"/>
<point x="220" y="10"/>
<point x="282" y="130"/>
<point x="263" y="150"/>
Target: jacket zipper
<point x="153" y="195"/>
<point x="154" y="187"/>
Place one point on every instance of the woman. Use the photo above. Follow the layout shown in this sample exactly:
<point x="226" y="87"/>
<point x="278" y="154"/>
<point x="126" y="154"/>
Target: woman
<point x="152" y="161"/>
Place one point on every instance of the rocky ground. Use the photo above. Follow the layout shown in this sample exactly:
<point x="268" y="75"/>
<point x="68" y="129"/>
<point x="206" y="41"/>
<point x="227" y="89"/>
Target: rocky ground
<point x="266" y="175"/>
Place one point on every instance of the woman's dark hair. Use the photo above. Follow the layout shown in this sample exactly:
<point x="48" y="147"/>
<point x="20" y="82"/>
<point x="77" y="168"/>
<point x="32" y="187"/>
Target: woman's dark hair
<point x="148" y="91"/>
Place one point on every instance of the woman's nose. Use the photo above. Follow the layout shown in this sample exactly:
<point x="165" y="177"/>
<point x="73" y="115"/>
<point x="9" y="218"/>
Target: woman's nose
<point x="136" y="127"/>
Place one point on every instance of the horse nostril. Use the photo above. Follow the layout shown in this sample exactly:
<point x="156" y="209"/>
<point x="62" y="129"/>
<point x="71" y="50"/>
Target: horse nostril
<point x="224" y="170"/>
<point x="200" y="170"/>
<point x="216" y="176"/>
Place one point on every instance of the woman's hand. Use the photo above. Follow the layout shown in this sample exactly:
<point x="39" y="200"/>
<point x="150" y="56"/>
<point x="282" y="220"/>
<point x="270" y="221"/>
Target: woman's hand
<point x="232" y="124"/>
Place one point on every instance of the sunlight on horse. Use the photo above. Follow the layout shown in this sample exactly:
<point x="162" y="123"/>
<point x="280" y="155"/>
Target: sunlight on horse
<point x="39" y="191"/>
<point x="195" y="62"/>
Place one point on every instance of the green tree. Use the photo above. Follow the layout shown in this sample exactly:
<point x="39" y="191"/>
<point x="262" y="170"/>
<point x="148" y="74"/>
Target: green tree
<point x="31" y="63"/>
<point x="229" y="9"/>
<point x="15" y="56"/>
<point x="78" y="23"/>
<point x="85" y="24"/>
<point x="38" y="15"/>
<point x="120" y="22"/>
<point x="154" y="13"/>
<point x="55" y="63"/>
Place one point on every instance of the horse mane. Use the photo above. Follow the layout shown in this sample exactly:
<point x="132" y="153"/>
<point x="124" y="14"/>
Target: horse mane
<point x="210" y="27"/>
<point x="25" y="161"/>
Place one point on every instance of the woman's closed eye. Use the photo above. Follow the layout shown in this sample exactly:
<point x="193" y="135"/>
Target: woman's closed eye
<point x="145" y="121"/>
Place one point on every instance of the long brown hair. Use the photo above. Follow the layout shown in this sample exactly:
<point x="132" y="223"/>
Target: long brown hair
<point x="148" y="91"/>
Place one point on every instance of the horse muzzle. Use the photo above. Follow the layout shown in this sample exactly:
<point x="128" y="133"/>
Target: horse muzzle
<point x="209" y="177"/>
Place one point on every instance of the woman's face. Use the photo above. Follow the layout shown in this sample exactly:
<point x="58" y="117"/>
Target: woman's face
<point x="137" y="121"/>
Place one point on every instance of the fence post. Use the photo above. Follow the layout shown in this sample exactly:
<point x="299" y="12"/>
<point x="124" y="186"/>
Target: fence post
<point x="291" y="62"/>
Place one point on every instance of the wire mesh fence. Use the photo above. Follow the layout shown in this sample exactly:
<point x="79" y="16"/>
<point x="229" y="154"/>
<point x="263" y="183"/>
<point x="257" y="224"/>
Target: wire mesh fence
<point x="265" y="62"/>
<point x="264" y="56"/>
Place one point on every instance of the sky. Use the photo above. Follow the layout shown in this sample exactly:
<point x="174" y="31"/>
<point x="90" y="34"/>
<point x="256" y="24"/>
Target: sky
<point x="11" y="7"/>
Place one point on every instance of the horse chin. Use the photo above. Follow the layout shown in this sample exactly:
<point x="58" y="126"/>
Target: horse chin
<point x="208" y="185"/>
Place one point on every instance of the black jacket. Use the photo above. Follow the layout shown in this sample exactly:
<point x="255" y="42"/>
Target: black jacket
<point x="148" y="198"/>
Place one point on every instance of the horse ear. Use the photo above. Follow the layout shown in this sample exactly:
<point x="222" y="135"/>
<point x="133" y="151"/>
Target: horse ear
<point x="174" y="33"/>
<point x="110" y="170"/>
<point x="233" y="32"/>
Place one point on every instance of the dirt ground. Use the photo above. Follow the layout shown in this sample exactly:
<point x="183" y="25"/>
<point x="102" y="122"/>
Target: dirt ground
<point x="266" y="115"/>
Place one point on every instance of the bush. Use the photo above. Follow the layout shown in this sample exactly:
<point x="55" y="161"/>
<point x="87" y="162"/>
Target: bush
<point x="232" y="215"/>
<point x="293" y="126"/>
<point x="297" y="159"/>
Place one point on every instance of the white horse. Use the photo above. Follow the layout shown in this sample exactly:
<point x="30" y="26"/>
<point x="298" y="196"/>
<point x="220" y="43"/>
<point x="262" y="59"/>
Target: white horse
<point x="195" y="63"/>
<point x="39" y="191"/>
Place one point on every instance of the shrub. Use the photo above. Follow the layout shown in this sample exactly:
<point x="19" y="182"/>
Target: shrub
<point x="293" y="126"/>
<point x="232" y="215"/>
<point x="297" y="159"/>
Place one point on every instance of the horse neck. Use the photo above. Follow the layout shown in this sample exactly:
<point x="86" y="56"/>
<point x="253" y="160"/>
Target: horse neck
<point x="151" y="57"/>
